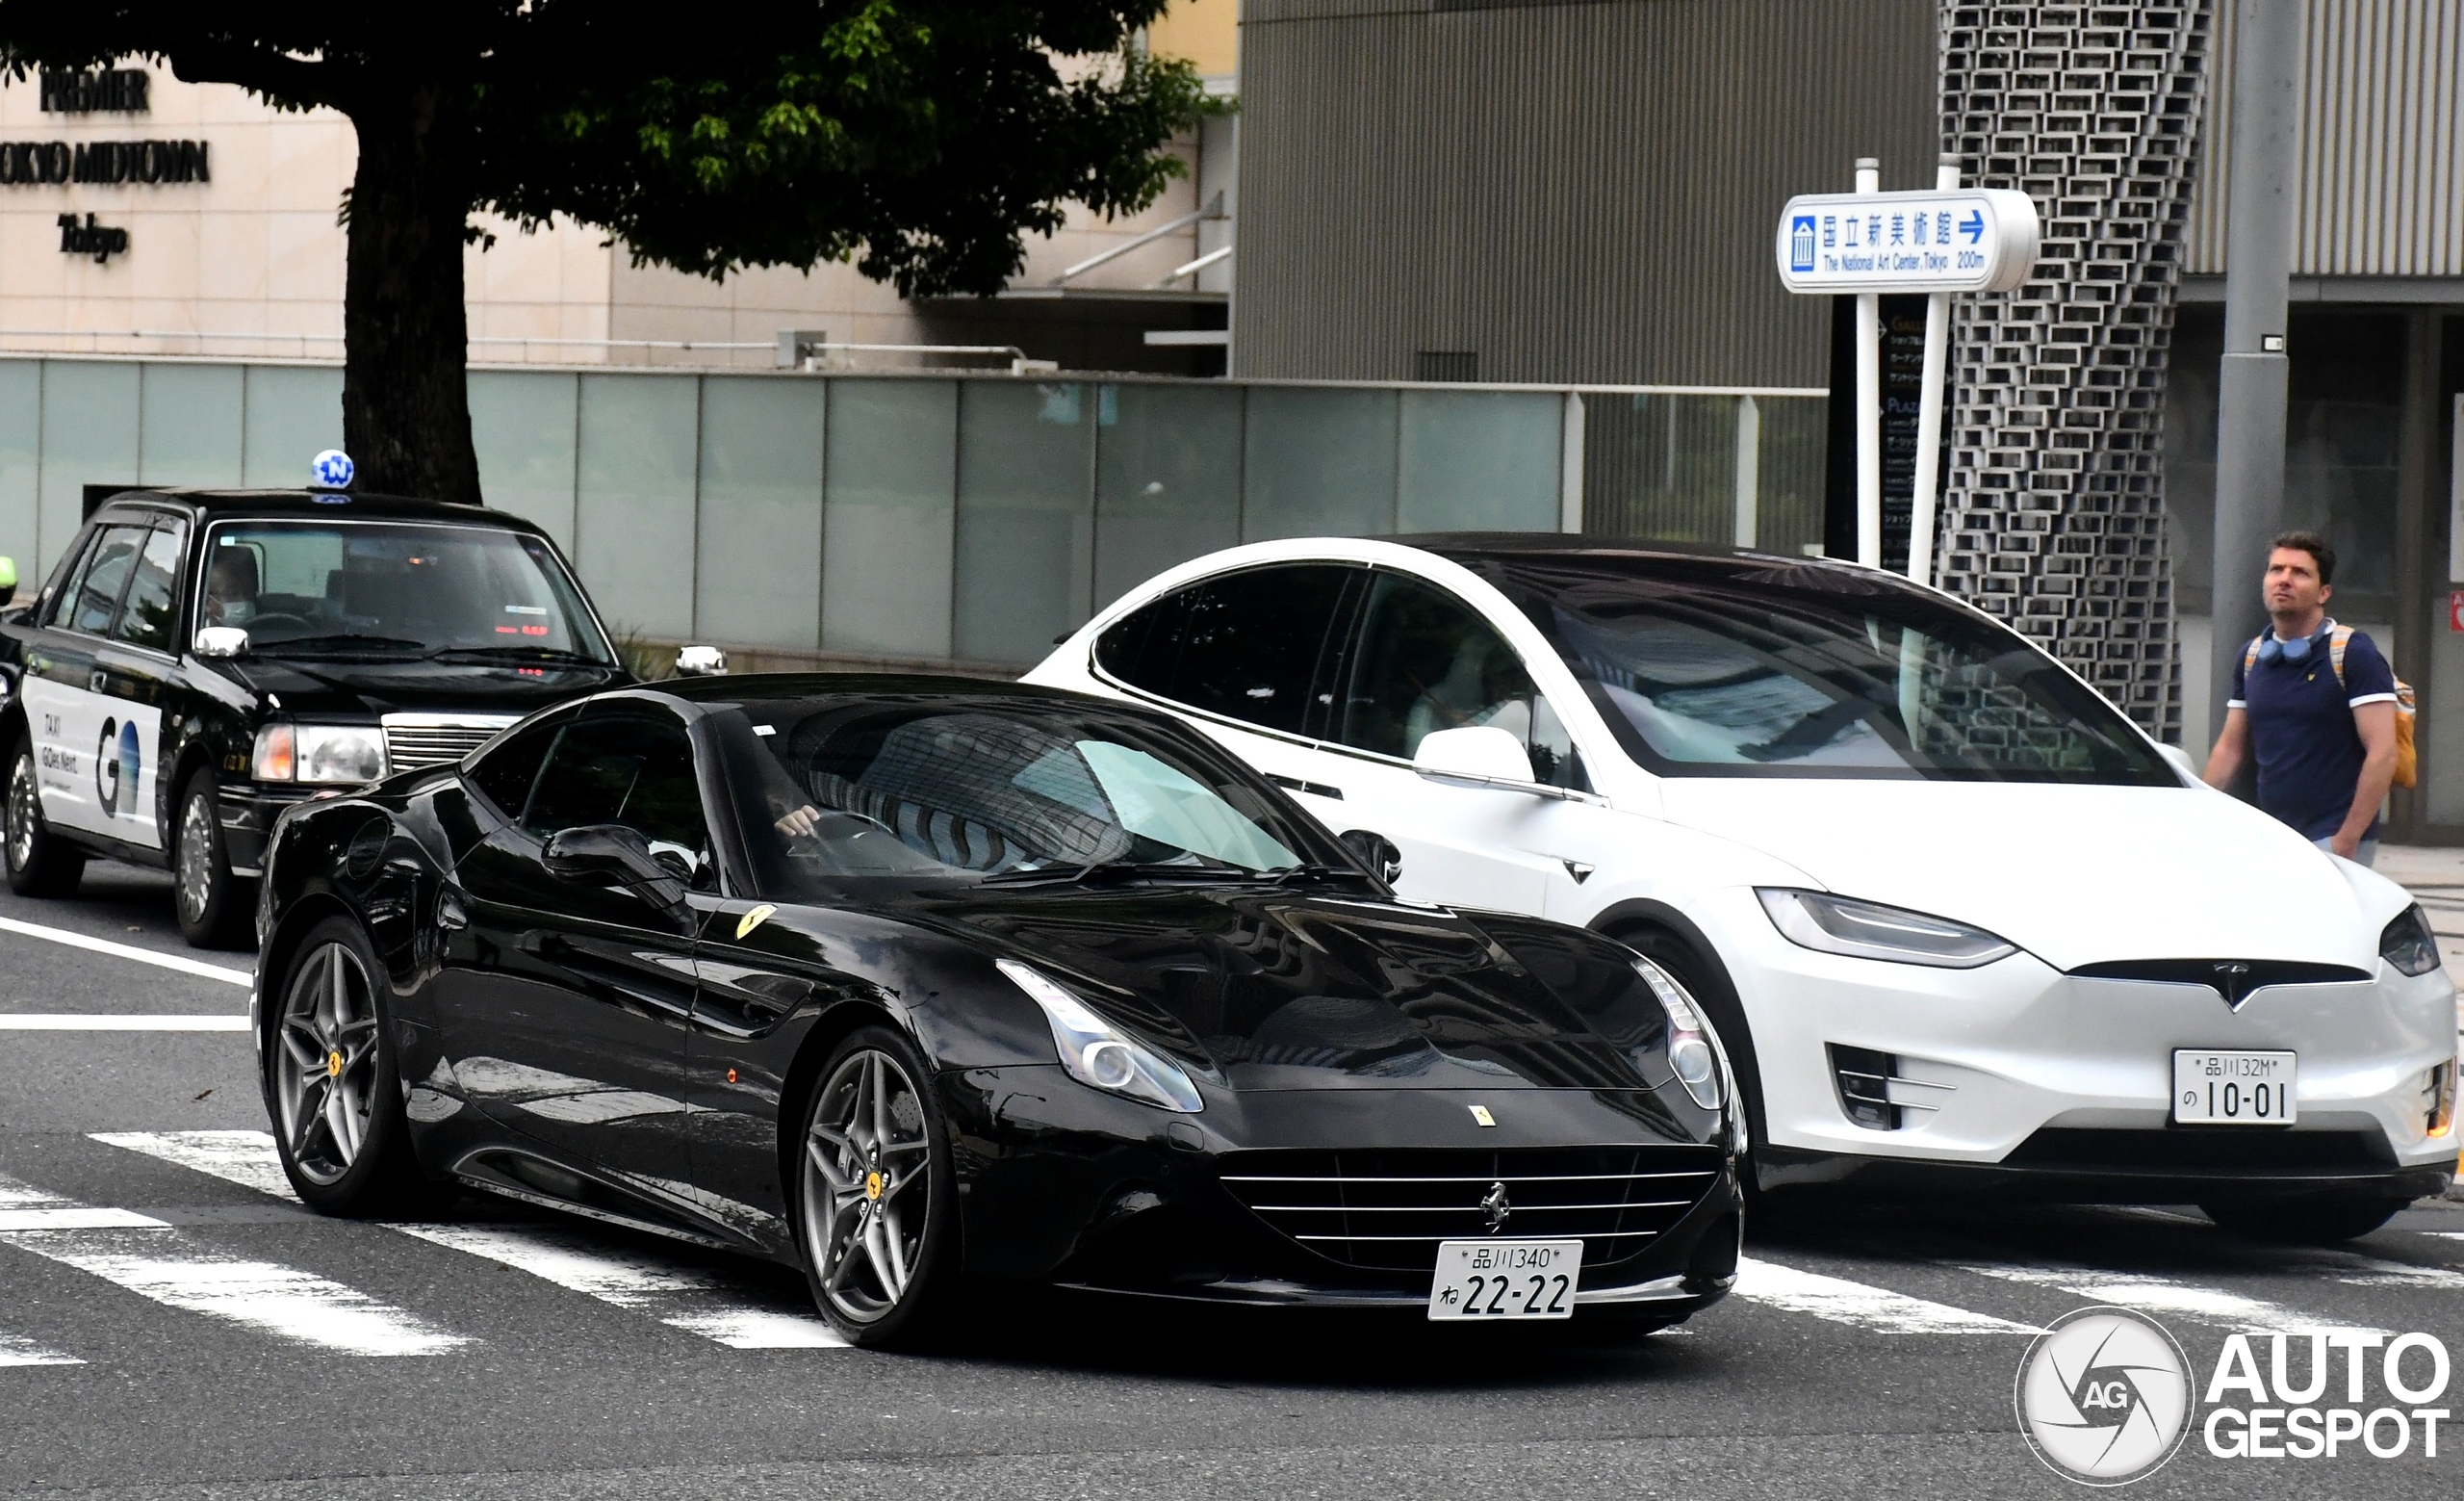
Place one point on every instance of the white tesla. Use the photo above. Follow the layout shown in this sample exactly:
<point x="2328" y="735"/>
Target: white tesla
<point x="1960" y="924"/>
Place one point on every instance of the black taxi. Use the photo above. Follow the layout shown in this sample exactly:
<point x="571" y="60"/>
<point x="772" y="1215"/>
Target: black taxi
<point x="199" y="659"/>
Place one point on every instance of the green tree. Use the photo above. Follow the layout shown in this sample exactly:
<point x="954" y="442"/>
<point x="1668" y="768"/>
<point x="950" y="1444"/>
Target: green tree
<point x="921" y="139"/>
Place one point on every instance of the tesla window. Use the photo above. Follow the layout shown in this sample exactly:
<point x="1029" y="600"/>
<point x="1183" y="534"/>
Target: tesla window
<point x="974" y="791"/>
<point x="383" y="587"/>
<point x="1799" y="669"/>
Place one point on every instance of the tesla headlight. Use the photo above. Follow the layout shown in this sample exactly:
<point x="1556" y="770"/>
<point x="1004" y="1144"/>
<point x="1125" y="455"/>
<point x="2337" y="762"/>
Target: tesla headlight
<point x="1691" y="1052"/>
<point x="330" y="754"/>
<point x="1869" y="930"/>
<point x="1095" y="1052"/>
<point x="2408" y="943"/>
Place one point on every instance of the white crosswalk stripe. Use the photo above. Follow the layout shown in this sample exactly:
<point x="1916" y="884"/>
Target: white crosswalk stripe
<point x="1877" y="1309"/>
<point x="2153" y="1294"/>
<point x="18" y="1350"/>
<point x="694" y="1298"/>
<point x="150" y="1258"/>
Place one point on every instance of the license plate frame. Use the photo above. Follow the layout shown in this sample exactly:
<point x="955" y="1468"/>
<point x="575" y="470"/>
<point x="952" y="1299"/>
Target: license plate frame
<point x="1493" y="1281"/>
<point x="2235" y="1086"/>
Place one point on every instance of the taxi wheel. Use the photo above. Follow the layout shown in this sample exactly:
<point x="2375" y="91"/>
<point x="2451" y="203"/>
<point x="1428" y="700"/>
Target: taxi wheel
<point x="214" y="907"/>
<point x="39" y="863"/>
<point x="876" y="1211"/>
<point x="2307" y="1220"/>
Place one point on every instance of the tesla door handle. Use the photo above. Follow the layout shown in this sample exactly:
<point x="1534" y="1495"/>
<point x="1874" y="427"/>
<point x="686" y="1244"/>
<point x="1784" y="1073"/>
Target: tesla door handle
<point x="451" y="915"/>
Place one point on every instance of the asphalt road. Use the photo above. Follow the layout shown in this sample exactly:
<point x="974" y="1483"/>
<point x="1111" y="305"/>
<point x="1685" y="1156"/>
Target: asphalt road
<point x="177" y="1325"/>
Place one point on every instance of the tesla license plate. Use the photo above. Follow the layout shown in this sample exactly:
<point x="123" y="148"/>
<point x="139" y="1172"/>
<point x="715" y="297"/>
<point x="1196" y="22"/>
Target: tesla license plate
<point x="1505" y="1280"/>
<point x="2214" y="1087"/>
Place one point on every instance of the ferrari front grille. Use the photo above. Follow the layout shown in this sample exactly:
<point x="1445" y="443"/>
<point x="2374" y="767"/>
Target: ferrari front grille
<point x="1387" y="1210"/>
<point x="413" y="741"/>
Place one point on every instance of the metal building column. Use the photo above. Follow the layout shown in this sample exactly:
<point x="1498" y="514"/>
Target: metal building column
<point x="2052" y="516"/>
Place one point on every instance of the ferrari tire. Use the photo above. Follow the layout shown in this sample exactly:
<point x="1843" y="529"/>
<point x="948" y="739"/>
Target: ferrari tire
<point x="333" y="1085"/>
<point x="876" y="1197"/>
<point x="39" y="862"/>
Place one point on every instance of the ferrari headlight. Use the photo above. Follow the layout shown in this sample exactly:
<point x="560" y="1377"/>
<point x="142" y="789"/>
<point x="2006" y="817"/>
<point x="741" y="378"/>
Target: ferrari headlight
<point x="1870" y="930"/>
<point x="330" y="754"/>
<point x="1095" y="1052"/>
<point x="1691" y="1052"/>
<point x="2408" y="943"/>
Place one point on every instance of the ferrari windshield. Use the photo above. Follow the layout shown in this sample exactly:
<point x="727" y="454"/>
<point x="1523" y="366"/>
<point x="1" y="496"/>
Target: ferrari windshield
<point x="981" y="790"/>
<point x="394" y="588"/>
<point x="1768" y="667"/>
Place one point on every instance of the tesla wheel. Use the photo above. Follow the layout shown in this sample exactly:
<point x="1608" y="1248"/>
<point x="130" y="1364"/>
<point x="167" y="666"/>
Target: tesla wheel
<point x="214" y="905"/>
<point x="876" y="1208"/>
<point x="40" y="864"/>
<point x="333" y="1087"/>
<point x="2309" y="1220"/>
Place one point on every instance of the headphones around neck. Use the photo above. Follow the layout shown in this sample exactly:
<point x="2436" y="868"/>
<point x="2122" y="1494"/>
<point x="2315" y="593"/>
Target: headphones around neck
<point x="2297" y="650"/>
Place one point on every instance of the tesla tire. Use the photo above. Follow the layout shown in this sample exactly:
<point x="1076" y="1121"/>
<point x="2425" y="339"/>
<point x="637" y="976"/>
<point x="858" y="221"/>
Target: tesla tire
<point x="40" y="864"/>
<point x="214" y="905"/>
<point x="333" y="1087"/>
<point x="876" y="1205"/>
<point x="2311" y="1220"/>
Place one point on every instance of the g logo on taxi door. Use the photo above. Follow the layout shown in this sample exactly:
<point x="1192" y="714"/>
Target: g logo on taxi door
<point x="107" y="771"/>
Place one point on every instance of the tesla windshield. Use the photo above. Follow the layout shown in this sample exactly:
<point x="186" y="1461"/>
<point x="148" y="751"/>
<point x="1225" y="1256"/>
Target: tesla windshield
<point x="1767" y="667"/>
<point x="404" y="588"/>
<point x="989" y="791"/>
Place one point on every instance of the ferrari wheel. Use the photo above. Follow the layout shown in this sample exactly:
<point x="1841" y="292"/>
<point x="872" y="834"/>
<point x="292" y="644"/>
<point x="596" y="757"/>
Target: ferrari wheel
<point x="875" y="1204"/>
<point x="333" y="1089"/>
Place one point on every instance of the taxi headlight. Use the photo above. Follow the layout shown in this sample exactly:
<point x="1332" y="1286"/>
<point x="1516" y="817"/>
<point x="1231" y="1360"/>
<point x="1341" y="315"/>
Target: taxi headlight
<point x="2408" y="943"/>
<point x="1870" y="930"/>
<point x="1096" y="1053"/>
<point x="326" y="754"/>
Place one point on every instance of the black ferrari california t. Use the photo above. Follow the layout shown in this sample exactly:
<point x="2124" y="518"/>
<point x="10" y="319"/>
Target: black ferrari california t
<point x="907" y="981"/>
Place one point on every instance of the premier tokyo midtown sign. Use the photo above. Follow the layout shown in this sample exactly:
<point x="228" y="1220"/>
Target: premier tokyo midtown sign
<point x="1956" y="240"/>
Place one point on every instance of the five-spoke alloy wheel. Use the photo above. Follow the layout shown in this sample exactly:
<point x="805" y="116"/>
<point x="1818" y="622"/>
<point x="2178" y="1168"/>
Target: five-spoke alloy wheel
<point x="874" y="1195"/>
<point x="331" y="1084"/>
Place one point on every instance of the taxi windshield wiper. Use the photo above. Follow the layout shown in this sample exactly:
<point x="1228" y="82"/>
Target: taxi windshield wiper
<point x="339" y="641"/>
<point x="516" y="653"/>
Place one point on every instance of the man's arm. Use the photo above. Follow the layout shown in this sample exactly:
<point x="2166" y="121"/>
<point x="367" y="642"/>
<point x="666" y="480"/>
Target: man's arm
<point x="2224" y="762"/>
<point x="2376" y="726"/>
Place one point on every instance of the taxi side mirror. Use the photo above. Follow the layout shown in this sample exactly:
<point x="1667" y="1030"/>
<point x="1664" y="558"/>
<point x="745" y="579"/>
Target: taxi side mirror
<point x="217" y="642"/>
<point x="701" y="662"/>
<point x="8" y="579"/>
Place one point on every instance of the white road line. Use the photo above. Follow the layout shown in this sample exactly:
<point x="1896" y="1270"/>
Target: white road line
<point x="247" y="1158"/>
<point x="683" y="1297"/>
<point x="1876" y="1310"/>
<point x="18" y="1350"/>
<point x="104" y="945"/>
<point x="115" y="1022"/>
<point x="2165" y="1295"/>
<point x="680" y="1296"/>
<point x="77" y="1217"/>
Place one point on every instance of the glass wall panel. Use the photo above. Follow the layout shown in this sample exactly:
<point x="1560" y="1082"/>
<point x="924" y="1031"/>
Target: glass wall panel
<point x="189" y="425"/>
<point x="295" y="412"/>
<point x="758" y="566"/>
<point x="1026" y="529"/>
<point x="1168" y="480"/>
<point x="887" y="528"/>
<point x="1661" y="467"/>
<point x="1318" y="461"/>
<point x="2190" y="452"/>
<point x="1478" y="461"/>
<point x="521" y="423"/>
<point x="20" y="451"/>
<point x="1791" y="472"/>
<point x="89" y="437"/>
<point x="633" y="501"/>
<point x="2343" y="426"/>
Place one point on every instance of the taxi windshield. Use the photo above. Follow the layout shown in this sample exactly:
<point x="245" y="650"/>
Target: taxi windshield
<point x="394" y="588"/>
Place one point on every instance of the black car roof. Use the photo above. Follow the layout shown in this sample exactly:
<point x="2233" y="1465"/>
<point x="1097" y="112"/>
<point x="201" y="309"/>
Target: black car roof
<point x="325" y="505"/>
<point x="841" y="684"/>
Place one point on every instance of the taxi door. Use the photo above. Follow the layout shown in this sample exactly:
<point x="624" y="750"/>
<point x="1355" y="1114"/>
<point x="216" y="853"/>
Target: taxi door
<point x="91" y="747"/>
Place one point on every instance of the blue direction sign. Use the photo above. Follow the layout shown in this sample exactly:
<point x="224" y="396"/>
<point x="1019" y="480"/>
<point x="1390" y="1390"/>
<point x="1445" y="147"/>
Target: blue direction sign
<point x="1956" y="240"/>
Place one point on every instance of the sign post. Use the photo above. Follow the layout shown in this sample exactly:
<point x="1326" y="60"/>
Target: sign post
<point x="1949" y="240"/>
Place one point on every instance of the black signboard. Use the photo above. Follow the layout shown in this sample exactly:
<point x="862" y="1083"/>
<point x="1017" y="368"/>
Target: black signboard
<point x="1902" y="369"/>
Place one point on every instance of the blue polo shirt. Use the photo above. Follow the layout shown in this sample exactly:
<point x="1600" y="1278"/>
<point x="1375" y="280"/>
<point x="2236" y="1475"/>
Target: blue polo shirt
<point x="2301" y="729"/>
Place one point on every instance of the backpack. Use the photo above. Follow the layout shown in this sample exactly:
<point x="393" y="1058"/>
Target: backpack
<point x="2407" y="759"/>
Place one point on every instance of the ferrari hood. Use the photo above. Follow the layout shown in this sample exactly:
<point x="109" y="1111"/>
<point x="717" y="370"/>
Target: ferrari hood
<point x="1275" y="990"/>
<point x="2075" y="875"/>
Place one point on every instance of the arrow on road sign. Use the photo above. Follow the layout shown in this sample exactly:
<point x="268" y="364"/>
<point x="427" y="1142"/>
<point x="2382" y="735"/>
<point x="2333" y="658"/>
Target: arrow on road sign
<point x="1973" y="226"/>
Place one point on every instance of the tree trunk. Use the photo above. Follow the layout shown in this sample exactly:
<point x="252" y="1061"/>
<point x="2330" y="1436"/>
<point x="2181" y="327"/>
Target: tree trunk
<point x="407" y="410"/>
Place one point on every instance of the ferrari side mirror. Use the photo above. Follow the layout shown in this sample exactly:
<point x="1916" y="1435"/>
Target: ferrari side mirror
<point x="611" y="854"/>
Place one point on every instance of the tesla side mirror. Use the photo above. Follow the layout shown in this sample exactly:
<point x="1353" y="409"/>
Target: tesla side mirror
<point x="611" y="854"/>
<point x="2180" y="760"/>
<point x="1476" y="755"/>
<point x="1376" y="852"/>
<point x="701" y="662"/>
<point x="8" y="579"/>
<point x="220" y="641"/>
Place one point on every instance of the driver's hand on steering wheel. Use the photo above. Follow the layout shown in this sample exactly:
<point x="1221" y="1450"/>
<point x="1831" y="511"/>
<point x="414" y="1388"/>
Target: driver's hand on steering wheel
<point x="800" y="823"/>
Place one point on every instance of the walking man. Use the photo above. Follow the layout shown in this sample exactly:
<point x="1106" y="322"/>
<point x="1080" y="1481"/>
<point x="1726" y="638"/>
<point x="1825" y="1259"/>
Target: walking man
<point x="2316" y="703"/>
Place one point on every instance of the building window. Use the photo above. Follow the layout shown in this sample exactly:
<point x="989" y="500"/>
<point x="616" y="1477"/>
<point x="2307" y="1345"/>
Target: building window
<point x="1446" y="365"/>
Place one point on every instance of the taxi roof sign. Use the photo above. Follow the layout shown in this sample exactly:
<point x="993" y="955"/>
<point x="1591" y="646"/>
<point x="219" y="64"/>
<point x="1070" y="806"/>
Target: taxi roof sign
<point x="1943" y="239"/>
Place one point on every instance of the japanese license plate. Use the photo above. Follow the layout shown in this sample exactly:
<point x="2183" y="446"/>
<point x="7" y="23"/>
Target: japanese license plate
<point x="2216" y="1087"/>
<point x="1505" y="1280"/>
